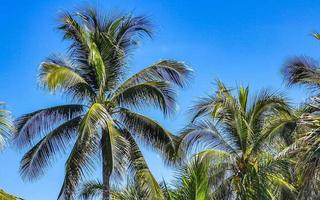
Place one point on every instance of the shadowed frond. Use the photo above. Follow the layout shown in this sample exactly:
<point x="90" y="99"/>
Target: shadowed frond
<point x="203" y="107"/>
<point x="150" y="133"/>
<point x="302" y="70"/>
<point x="166" y="70"/>
<point x="206" y="134"/>
<point x="41" y="155"/>
<point x="36" y="124"/>
<point x="91" y="190"/>
<point x="158" y="94"/>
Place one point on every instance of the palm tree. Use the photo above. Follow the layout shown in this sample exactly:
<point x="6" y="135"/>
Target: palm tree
<point x="233" y="133"/>
<point x="102" y="121"/>
<point x="190" y="183"/>
<point x="305" y="71"/>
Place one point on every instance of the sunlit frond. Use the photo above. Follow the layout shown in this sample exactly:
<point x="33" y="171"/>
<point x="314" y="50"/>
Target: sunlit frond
<point x="147" y="186"/>
<point x="6" y="126"/>
<point x="82" y="158"/>
<point x="80" y="162"/>
<point x="232" y="130"/>
<point x="56" y="73"/>
<point x="192" y="181"/>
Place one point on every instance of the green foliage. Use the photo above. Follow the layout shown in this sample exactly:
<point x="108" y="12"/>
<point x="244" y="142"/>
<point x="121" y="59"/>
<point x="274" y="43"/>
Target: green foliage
<point x="234" y="132"/>
<point x="102" y="121"/>
<point x="6" y="196"/>
<point x="6" y="126"/>
<point x="236" y="146"/>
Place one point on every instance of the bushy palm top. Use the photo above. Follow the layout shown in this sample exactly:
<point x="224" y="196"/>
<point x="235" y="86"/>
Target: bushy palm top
<point x="102" y="119"/>
<point x="233" y="133"/>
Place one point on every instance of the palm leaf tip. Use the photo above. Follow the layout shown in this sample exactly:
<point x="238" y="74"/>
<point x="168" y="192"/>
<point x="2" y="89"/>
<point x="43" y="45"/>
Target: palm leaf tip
<point x="301" y="70"/>
<point x="6" y="126"/>
<point x="176" y="72"/>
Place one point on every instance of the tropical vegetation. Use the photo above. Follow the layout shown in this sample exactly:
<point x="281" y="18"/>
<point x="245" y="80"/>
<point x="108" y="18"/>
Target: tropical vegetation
<point x="102" y="122"/>
<point x="6" y="129"/>
<point x="236" y="145"/>
<point x="236" y="132"/>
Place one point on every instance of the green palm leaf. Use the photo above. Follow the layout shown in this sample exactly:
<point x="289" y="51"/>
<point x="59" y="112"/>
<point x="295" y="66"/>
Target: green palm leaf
<point x="6" y="126"/>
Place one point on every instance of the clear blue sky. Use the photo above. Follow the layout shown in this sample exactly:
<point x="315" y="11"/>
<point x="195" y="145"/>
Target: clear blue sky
<point x="239" y="42"/>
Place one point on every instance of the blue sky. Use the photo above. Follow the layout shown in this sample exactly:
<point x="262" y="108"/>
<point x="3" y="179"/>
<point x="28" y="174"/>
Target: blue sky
<point x="238" y="42"/>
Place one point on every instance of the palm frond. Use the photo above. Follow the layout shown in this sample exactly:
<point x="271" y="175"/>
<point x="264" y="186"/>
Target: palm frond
<point x="131" y="30"/>
<point x="151" y="133"/>
<point x="302" y="70"/>
<point x="57" y="73"/>
<point x="91" y="190"/>
<point x="6" y="126"/>
<point x="203" y="107"/>
<point x="6" y="196"/>
<point x="36" y="124"/>
<point x="80" y="162"/>
<point x="147" y="186"/>
<point x="193" y="181"/>
<point x="41" y="155"/>
<point x="165" y="70"/>
<point x="82" y="158"/>
<point x="152" y="93"/>
<point x="207" y="134"/>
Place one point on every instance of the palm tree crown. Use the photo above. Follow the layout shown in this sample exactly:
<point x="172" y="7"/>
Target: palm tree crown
<point x="102" y="121"/>
<point x="234" y="132"/>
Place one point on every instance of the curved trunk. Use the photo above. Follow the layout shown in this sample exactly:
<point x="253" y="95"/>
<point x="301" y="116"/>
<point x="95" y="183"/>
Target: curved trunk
<point x="107" y="163"/>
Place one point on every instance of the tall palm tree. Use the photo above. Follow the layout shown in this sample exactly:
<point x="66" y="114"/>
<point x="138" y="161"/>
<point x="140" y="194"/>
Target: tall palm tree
<point x="233" y="133"/>
<point x="102" y="122"/>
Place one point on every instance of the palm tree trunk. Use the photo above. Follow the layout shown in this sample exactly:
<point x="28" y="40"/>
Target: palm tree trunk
<point x="107" y="163"/>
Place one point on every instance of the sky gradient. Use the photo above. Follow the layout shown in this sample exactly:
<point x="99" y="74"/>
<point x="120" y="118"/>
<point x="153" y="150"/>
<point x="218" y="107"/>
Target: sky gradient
<point x="237" y="42"/>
